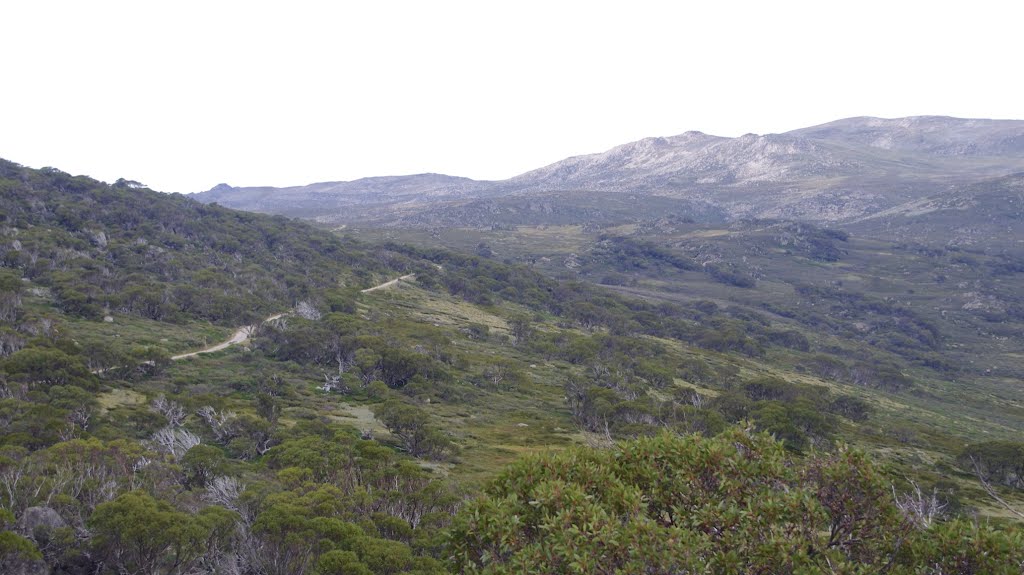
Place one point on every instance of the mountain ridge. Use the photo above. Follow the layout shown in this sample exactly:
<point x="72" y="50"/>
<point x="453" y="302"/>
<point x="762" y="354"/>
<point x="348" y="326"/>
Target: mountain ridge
<point x="835" y="172"/>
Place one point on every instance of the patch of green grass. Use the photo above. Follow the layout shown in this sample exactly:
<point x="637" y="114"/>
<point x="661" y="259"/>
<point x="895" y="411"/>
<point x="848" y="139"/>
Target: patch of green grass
<point x="126" y="331"/>
<point x="119" y="397"/>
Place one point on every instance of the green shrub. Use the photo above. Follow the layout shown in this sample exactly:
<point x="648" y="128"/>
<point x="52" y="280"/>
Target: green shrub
<point x="734" y="504"/>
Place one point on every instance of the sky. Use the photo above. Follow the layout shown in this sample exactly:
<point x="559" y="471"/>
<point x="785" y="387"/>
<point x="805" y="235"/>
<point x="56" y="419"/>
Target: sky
<point x="184" y="95"/>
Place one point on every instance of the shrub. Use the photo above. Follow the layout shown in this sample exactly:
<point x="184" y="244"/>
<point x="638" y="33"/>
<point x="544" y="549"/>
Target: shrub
<point x="736" y="503"/>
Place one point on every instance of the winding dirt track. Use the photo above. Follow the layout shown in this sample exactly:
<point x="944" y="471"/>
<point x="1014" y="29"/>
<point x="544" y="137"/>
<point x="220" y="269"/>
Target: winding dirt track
<point x="243" y="333"/>
<point x="389" y="283"/>
<point x="240" y="335"/>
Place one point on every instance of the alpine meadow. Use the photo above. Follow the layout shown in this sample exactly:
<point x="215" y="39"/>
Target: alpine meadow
<point x="797" y="353"/>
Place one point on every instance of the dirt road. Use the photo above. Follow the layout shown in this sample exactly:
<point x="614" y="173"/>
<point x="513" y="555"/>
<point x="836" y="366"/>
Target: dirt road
<point x="390" y="283"/>
<point x="243" y="333"/>
<point x="240" y="335"/>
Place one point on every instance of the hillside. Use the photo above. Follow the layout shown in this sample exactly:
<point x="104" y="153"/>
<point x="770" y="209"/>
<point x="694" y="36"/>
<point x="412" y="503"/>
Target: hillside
<point x="341" y="197"/>
<point x="345" y="435"/>
<point x="832" y="173"/>
<point x="986" y="216"/>
<point x="100" y="249"/>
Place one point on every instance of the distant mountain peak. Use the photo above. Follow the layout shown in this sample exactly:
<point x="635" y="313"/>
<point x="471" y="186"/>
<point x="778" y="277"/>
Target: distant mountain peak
<point x="837" y="171"/>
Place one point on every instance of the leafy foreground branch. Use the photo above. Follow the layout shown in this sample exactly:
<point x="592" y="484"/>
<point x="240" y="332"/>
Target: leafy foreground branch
<point x="735" y="503"/>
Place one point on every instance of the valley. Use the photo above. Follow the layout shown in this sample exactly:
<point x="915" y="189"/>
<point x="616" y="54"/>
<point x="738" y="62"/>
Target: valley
<point x="836" y="310"/>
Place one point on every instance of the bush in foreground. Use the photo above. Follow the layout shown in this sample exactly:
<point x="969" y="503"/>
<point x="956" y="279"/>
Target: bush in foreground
<point x="735" y="503"/>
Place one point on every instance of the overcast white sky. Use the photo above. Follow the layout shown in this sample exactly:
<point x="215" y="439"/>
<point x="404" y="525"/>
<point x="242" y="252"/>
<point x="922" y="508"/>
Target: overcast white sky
<point x="183" y="95"/>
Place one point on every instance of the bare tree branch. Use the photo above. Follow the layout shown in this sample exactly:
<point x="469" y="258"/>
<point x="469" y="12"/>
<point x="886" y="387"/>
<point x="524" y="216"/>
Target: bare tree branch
<point x="992" y="492"/>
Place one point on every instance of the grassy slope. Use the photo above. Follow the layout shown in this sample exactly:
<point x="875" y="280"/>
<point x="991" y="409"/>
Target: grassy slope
<point x="920" y="431"/>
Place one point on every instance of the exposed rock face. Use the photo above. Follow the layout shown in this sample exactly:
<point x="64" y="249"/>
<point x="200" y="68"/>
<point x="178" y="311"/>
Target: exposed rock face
<point x="40" y="518"/>
<point x="691" y="159"/>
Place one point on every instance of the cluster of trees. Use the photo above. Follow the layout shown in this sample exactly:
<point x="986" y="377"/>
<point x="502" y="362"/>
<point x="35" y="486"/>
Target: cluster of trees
<point x="890" y="324"/>
<point x="189" y="484"/>
<point x="626" y="255"/>
<point x="359" y="352"/>
<point x="810" y="241"/>
<point x="627" y="386"/>
<point x="999" y="462"/>
<point x="633" y="395"/>
<point x="702" y="324"/>
<point x="886" y="324"/>
<point x="47" y="381"/>
<point x="374" y="359"/>
<point x="735" y="503"/>
<point x="629" y="255"/>
<point x="730" y="274"/>
<point x="102" y="248"/>
<point x="878" y="374"/>
<point x="412" y="427"/>
<point x="331" y="503"/>
<point x="328" y="503"/>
